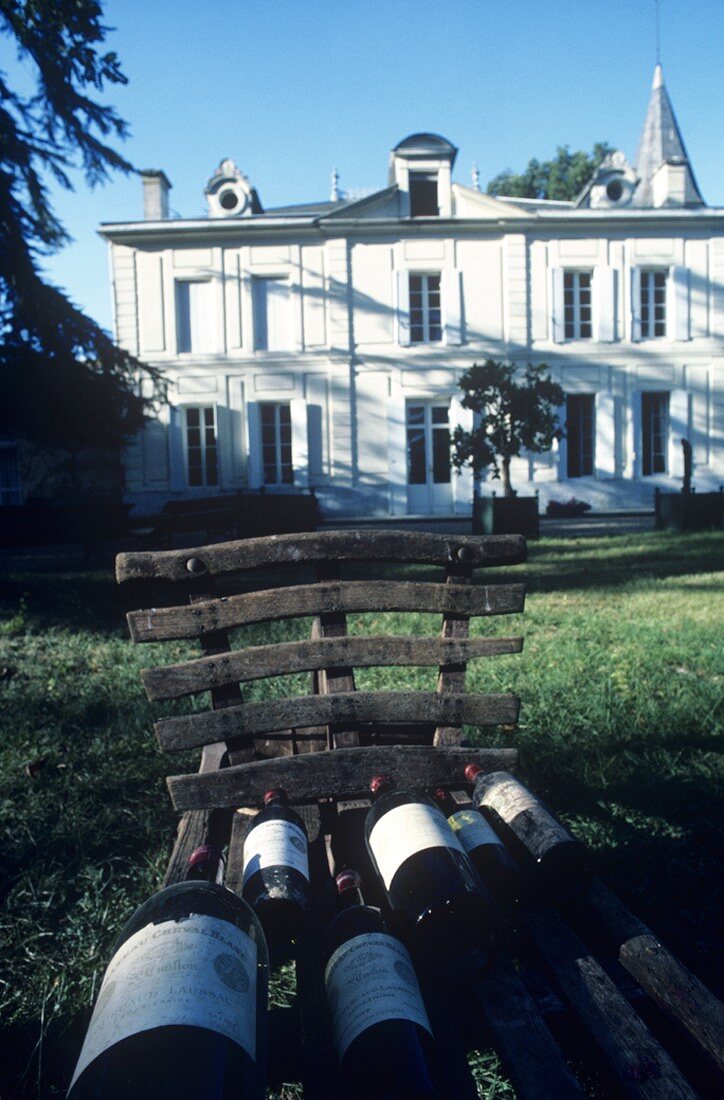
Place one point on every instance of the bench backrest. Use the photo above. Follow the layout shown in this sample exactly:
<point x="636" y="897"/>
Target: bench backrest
<point x="229" y="586"/>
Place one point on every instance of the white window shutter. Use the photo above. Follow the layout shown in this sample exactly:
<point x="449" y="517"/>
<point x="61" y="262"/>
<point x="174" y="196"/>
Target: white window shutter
<point x="558" y="327"/>
<point x="636" y="303"/>
<point x="604" y="307"/>
<point x="462" y="482"/>
<point x="605" y="437"/>
<point x="677" y="303"/>
<point x="254" y="436"/>
<point x="678" y="430"/>
<point x="300" y="441"/>
<point x="403" y="308"/>
<point x="452" y="306"/>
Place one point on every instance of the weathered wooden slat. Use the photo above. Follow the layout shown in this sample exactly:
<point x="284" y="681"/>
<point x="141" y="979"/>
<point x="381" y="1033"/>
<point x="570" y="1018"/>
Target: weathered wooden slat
<point x="319" y="654"/>
<point x="454" y="625"/>
<point x="643" y="1067"/>
<point x="400" y="546"/>
<point x="659" y="973"/>
<point x="234" y="876"/>
<point x="158" y="624"/>
<point x="530" y="1055"/>
<point x="354" y="707"/>
<point x="195" y="827"/>
<point x="346" y="772"/>
<point x="334" y="676"/>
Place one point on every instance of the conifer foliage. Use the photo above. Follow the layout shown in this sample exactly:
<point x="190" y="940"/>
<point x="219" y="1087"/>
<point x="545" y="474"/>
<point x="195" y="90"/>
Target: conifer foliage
<point x="63" y="381"/>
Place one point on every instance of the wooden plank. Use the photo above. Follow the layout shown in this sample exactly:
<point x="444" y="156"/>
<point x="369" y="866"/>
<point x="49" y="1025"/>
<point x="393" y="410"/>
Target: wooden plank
<point x="234" y="876"/>
<point x="157" y="624"/>
<point x="344" y="773"/>
<point x="196" y="826"/>
<point x="335" y="675"/>
<point x="331" y="656"/>
<point x="355" y="707"/>
<point x="659" y="973"/>
<point x="523" y="1040"/>
<point x="643" y="1067"/>
<point x="456" y="626"/>
<point x="398" y="546"/>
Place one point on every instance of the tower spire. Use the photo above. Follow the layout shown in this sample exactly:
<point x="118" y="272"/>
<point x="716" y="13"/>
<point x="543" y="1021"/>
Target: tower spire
<point x="662" y="163"/>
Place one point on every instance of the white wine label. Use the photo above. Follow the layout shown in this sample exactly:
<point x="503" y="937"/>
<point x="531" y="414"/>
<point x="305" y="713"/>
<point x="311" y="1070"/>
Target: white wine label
<point x="405" y="830"/>
<point x="510" y="799"/>
<point x="472" y="830"/>
<point x="199" y="971"/>
<point x="275" y="843"/>
<point x="370" y="979"/>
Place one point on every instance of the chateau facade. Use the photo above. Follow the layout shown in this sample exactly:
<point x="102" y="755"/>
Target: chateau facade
<point x="320" y="346"/>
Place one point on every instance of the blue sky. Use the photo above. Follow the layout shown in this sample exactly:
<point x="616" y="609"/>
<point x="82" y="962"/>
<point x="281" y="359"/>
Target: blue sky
<point x="289" y="88"/>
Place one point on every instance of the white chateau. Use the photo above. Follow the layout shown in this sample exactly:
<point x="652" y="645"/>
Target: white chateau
<point x="319" y="346"/>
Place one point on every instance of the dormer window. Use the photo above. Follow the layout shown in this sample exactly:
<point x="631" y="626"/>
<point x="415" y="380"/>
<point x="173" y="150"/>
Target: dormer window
<point x="423" y="195"/>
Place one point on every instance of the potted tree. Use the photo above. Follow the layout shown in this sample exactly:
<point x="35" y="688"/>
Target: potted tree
<point x="514" y="412"/>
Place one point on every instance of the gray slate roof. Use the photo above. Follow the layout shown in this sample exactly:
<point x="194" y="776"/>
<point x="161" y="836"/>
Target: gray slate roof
<point x="660" y="142"/>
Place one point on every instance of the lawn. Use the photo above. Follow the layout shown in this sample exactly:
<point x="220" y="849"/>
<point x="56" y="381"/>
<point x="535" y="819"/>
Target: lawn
<point x="621" y="680"/>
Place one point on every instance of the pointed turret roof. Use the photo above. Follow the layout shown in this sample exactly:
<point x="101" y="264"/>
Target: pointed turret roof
<point x="661" y="143"/>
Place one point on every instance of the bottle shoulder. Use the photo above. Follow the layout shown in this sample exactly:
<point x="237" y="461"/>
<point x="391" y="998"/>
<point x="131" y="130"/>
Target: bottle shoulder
<point x="199" y="898"/>
<point x="276" y="813"/>
<point x="359" y="920"/>
<point x="392" y="800"/>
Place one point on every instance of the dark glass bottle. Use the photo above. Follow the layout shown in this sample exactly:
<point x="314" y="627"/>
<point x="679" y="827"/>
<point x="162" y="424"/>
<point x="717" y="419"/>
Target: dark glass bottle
<point x="276" y="874"/>
<point x="432" y="888"/>
<point x="380" y="1028"/>
<point x="550" y="856"/>
<point x="206" y="864"/>
<point x="181" y="1012"/>
<point x="485" y="850"/>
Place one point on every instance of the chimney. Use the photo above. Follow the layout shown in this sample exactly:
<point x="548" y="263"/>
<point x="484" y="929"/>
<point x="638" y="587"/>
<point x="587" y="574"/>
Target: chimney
<point x="155" y="195"/>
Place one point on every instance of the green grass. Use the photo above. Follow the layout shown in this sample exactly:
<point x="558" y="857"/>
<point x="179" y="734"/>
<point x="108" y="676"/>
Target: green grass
<point x="621" y="679"/>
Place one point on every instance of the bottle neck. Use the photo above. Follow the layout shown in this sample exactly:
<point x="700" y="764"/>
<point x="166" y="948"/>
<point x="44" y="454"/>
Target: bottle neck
<point x="276" y="797"/>
<point x="444" y="801"/>
<point x="381" y="785"/>
<point x="349" y="898"/>
<point x="206" y="864"/>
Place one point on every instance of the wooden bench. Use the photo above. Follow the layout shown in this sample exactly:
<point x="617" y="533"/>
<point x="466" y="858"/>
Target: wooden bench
<point x="589" y="995"/>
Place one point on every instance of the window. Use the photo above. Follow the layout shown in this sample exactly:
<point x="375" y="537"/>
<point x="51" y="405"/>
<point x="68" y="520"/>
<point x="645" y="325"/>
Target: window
<point x="655" y="432"/>
<point x="272" y="314"/>
<point x="580" y="433"/>
<point x="202" y="456"/>
<point x="425" y="313"/>
<point x="577" y="305"/>
<point x="276" y="443"/>
<point x="428" y="443"/>
<point x="653" y="304"/>
<point x="193" y="316"/>
<point x="423" y="195"/>
<point x="9" y="476"/>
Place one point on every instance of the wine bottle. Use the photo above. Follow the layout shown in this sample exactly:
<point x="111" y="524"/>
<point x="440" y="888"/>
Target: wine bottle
<point x="206" y="864"/>
<point x="275" y="880"/>
<point x="551" y="857"/>
<point x="380" y="1028"/>
<point x="181" y="1012"/>
<point x="485" y="850"/>
<point x="432" y="888"/>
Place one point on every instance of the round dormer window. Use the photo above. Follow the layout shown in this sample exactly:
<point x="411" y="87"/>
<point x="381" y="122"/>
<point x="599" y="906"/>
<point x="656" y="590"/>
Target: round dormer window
<point x="228" y="199"/>
<point x="614" y="190"/>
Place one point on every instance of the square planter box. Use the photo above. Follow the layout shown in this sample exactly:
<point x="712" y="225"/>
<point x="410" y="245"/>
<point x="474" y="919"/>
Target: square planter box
<point x="506" y="516"/>
<point x="689" y="511"/>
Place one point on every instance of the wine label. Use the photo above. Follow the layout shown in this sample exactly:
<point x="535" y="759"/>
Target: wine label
<point x="405" y="830"/>
<point x="200" y="971"/>
<point x="275" y="843"/>
<point x="370" y="979"/>
<point x="509" y="799"/>
<point x="472" y="830"/>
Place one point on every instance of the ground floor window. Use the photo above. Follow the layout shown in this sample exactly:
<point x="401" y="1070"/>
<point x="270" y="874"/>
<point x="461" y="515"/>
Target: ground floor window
<point x="276" y="443"/>
<point x="428" y="444"/>
<point x="9" y="475"/>
<point x="202" y="455"/>
<point x="654" y="432"/>
<point x="580" y="433"/>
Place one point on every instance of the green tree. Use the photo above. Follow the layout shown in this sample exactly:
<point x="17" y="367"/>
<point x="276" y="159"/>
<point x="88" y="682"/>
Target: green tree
<point x="561" y="178"/>
<point x="513" y="413"/>
<point x="63" y="381"/>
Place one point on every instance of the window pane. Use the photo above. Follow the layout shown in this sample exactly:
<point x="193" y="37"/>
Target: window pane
<point x="655" y="432"/>
<point x="580" y="423"/>
<point x="183" y="317"/>
<point x="416" y="456"/>
<point x="440" y="414"/>
<point x="441" y="456"/>
<point x="423" y="195"/>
